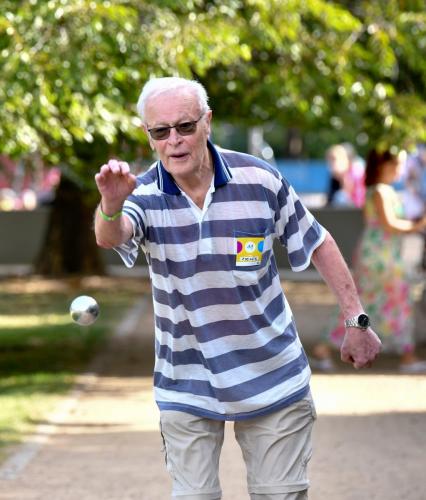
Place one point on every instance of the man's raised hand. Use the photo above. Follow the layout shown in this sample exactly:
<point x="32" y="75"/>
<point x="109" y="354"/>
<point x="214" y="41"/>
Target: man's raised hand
<point x="115" y="183"/>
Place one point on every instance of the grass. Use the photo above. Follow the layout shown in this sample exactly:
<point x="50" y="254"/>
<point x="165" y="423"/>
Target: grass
<point x="42" y="350"/>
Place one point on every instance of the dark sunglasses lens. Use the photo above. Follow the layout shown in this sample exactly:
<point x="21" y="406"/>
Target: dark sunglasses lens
<point x="186" y="128"/>
<point x="160" y="133"/>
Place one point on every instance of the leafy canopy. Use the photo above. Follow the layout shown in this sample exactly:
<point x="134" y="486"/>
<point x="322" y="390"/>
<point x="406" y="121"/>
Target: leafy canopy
<point x="72" y="69"/>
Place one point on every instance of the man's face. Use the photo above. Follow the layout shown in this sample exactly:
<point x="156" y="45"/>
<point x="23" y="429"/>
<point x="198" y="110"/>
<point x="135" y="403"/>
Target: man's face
<point x="181" y="155"/>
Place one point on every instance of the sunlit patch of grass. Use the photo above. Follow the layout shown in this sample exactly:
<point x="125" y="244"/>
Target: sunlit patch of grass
<point x="25" y="401"/>
<point x="31" y="320"/>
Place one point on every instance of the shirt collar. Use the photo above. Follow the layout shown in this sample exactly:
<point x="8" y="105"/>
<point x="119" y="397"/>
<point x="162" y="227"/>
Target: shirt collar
<point x="222" y="172"/>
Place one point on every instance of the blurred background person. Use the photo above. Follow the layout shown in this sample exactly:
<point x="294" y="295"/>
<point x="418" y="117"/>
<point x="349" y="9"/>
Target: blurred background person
<point x="379" y="269"/>
<point x="346" y="169"/>
<point x="414" y="193"/>
<point x="27" y="183"/>
<point x="338" y="165"/>
<point x="355" y="177"/>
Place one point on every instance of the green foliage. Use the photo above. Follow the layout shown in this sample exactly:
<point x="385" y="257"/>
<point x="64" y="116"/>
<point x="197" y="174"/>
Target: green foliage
<point x="72" y="69"/>
<point x="353" y="68"/>
<point x="62" y="62"/>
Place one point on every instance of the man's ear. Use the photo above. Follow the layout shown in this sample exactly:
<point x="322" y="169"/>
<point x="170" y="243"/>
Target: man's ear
<point x="209" y="114"/>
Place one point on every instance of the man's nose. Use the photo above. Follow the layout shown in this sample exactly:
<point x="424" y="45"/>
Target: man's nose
<point x="174" y="137"/>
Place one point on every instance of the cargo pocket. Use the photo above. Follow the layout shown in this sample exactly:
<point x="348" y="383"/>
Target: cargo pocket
<point x="165" y="453"/>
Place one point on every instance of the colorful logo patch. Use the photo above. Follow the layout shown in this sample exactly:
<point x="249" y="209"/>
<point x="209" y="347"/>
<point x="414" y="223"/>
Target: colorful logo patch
<point x="249" y="250"/>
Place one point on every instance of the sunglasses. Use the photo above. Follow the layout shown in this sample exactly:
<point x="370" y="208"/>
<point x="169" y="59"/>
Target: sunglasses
<point x="184" y="128"/>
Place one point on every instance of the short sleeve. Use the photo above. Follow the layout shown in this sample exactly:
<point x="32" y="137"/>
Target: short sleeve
<point x="129" y="250"/>
<point x="296" y="228"/>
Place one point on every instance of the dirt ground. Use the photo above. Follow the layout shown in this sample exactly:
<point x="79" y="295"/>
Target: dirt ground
<point x="102" y="442"/>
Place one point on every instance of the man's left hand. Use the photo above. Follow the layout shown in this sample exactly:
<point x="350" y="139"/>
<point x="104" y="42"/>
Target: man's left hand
<point x="360" y="347"/>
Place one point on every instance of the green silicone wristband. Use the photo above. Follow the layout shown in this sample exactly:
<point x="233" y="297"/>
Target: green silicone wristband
<point x="110" y="218"/>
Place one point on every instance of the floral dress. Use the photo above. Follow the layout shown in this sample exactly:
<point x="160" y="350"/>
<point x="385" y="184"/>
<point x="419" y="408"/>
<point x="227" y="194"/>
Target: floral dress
<point x="381" y="281"/>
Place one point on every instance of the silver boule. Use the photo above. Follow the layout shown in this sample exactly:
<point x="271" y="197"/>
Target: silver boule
<point x="84" y="310"/>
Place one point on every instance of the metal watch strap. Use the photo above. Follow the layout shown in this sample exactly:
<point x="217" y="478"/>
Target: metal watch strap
<point x="352" y="322"/>
<point x="361" y="321"/>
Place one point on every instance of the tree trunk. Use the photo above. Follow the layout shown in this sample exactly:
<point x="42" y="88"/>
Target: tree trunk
<point x="70" y="247"/>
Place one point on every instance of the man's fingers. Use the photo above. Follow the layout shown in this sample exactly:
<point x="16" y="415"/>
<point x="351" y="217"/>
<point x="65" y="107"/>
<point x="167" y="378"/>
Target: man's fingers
<point x="114" y="166"/>
<point x="100" y="177"/>
<point x="346" y="357"/>
<point x="103" y="173"/>
<point x="366" y="363"/>
<point x="125" y="168"/>
<point x="118" y="167"/>
<point x="358" y="365"/>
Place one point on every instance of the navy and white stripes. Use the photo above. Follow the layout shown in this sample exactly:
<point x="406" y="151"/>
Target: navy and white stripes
<point x="225" y="339"/>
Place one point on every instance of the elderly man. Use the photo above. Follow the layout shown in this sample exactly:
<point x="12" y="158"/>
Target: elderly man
<point x="226" y="342"/>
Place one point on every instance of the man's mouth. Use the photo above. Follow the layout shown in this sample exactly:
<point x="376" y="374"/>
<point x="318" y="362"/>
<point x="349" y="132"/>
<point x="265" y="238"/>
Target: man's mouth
<point x="179" y="156"/>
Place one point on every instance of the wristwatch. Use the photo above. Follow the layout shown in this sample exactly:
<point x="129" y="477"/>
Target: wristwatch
<point x="362" y="321"/>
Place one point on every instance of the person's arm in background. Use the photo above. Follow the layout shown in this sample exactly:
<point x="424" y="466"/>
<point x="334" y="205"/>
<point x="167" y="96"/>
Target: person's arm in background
<point x="386" y="213"/>
<point x="115" y="183"/>
<point x="360" y="347"/>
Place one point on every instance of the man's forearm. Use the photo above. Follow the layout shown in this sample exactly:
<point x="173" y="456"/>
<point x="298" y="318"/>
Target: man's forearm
<point x="360" y="348"/>
<point x="330" y="263"/>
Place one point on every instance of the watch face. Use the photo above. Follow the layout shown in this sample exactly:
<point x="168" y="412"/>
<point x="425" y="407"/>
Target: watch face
<point x="363" y="321"/>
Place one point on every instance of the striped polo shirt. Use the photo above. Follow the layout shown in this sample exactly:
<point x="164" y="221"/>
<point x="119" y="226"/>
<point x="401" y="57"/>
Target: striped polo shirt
<point x="226" y="344"/>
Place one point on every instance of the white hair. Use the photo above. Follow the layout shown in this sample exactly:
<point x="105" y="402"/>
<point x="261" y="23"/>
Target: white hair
<point x="156" y="86"/>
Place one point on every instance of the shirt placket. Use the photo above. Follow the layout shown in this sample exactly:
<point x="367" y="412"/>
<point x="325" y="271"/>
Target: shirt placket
<point x="205" y="246"/>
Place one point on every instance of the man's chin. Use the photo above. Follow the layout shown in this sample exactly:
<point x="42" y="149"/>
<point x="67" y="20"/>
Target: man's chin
<point x="177" y="170"/>
<point x="180" y="165"/>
